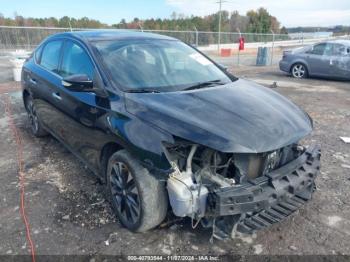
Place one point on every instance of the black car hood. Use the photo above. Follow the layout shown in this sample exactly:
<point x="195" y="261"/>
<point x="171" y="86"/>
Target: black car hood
<point x="238" y="117"/>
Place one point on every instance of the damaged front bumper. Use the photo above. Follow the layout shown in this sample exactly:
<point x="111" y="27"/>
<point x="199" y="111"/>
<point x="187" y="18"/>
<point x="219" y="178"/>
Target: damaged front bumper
<point x="270" y="198"/>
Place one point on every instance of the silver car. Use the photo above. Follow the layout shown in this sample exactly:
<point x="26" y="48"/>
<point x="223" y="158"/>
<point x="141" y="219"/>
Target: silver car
<point x="326" y="59"/>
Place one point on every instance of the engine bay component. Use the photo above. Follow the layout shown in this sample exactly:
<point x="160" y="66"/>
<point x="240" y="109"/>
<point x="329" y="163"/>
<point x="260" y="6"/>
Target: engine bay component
<point x="186" y="197"/>
<point x="250" y="165"/>
<point x="211" y="185"/>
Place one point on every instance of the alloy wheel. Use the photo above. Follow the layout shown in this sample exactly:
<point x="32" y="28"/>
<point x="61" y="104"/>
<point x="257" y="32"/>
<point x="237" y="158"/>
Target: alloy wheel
<point x="125" y="193"/>
<point x="299" y="71"/>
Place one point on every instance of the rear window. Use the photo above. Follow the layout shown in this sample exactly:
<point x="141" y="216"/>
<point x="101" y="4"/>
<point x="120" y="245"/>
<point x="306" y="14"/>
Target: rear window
<point x="318" y="49"/>
<point x="51" y="55"/>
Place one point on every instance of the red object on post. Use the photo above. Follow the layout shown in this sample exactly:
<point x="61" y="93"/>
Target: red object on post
<point x="241" y="43"/>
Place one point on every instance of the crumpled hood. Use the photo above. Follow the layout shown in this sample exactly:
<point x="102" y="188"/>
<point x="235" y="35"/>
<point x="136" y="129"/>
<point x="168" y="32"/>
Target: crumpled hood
<point x="238" y="117"/>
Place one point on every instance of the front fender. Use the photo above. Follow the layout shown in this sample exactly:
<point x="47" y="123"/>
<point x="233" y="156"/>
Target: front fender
<point x="142" y="139"/>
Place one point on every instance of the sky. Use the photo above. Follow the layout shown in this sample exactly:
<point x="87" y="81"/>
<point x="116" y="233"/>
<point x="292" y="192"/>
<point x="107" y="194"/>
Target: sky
<point x="290" y="13"/>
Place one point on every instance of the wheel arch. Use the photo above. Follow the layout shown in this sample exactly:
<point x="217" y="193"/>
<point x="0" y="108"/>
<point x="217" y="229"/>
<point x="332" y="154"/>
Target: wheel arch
<point x="299" y="62"/>
<point x="107" y="150"/>
<point x="25" y="94"/>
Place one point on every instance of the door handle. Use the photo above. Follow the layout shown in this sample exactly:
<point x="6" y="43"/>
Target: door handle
<point x="32" y="81"/>
<point x="57" y="96"/>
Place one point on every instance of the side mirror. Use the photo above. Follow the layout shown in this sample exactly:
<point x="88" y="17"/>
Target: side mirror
<point x="82" y="83"/>
<point x="78" y="83"/>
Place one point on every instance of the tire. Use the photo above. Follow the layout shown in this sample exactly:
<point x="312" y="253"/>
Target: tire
<point x="35" y="122"/>
<point x="299" y="70"/>
<point x="139" y="200"/>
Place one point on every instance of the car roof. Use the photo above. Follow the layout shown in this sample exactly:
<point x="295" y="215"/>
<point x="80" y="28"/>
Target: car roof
<point x="111" y="34"/>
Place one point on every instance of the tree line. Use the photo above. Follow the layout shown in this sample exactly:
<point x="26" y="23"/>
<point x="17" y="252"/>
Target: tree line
<point x="255" y="21"/>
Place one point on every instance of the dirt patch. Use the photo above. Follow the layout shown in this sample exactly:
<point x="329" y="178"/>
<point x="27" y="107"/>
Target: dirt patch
<point x="9" y="87"/>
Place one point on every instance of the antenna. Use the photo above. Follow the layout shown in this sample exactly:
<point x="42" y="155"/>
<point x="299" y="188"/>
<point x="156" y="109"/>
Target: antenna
<point x="70" y="26"/>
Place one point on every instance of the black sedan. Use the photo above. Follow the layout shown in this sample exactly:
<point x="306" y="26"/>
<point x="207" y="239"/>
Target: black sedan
<point x="168" y="129"/>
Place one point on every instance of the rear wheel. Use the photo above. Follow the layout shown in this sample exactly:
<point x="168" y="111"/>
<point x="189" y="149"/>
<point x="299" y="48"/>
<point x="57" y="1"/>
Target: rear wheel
<point x="299" y="71"/>
<point x="138" y="198"/>
<point x="34" y="120"/>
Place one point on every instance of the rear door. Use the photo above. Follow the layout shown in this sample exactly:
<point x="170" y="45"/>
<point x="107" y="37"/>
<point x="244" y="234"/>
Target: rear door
<point x="43" y="81"/>
<point x="318" y="59"/>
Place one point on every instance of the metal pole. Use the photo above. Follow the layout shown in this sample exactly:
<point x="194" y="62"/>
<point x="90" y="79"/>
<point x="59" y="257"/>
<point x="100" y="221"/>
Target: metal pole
<point x="28" y="41"/>
<point x="70" y="26"/>
<point x="302" y="38"/>
<point x="219" y="36"/>
<point x="195" y="28"/>
<point x="140" y="27"/>
<point x="273" y="44"/>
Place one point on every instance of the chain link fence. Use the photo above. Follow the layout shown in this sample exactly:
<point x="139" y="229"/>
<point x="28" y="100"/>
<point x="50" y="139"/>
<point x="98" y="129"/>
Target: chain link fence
<point x="12" y="38"/>
<point x="208" y="42"/>
<point x="27" y="38"/>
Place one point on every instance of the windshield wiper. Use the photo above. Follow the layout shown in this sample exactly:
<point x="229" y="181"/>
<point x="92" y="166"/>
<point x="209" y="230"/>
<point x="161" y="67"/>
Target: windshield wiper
<point x="205" y="84"/>
<point x="142" y="90"/>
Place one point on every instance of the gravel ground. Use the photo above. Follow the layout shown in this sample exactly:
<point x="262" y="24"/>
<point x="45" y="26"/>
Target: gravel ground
<point x="68" y="214"/>
<point x="5" y="69"/>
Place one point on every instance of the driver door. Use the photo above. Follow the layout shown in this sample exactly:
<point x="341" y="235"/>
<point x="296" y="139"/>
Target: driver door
<point x="340" y="61"/>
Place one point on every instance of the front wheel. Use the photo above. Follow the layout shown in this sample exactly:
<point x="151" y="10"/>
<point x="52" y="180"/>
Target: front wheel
<point x="139" y="199"/>
<point x="299" y="71"/>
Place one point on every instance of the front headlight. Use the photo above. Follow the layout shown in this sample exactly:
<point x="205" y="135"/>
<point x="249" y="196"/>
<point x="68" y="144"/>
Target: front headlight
<point x="272" y="161"/>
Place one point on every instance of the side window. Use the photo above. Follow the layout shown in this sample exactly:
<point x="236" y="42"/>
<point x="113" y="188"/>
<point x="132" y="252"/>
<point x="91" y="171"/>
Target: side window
<point x="318" y="49"/>
<point x="37" y="54"/>
<point x="76" y="61"/>
<point x="339" y="50"/>
<point x="329" y="49"/>
<point x="51" y="55"/>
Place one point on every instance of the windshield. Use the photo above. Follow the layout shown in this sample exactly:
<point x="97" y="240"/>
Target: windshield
<point x="159" y="65"/>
